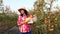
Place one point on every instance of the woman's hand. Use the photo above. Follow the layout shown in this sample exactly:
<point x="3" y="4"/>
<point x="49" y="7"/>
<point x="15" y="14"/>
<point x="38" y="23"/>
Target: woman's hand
<point x="22" y="23"/>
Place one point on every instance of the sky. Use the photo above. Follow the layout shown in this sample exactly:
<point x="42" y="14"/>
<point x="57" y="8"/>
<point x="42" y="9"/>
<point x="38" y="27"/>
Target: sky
<point x="28" y="4"/>
<point x="16" y="4"/>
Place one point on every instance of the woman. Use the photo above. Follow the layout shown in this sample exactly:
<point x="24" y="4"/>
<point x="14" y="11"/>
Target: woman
<point x="24" y="28"/>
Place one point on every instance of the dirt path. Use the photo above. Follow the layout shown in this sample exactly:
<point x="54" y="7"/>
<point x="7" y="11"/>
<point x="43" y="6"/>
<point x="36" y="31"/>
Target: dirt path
<point x="13" y="30"/>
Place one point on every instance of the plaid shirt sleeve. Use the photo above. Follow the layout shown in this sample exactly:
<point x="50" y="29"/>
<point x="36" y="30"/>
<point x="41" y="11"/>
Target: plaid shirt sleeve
<point x="18" y="22"/>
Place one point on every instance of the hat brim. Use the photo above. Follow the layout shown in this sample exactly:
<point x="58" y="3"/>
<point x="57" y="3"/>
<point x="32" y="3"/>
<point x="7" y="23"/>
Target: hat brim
<point x="21" y="9"/>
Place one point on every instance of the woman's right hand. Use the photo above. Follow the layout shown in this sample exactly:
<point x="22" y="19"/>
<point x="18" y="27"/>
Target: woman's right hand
<point x="22" y="23"/>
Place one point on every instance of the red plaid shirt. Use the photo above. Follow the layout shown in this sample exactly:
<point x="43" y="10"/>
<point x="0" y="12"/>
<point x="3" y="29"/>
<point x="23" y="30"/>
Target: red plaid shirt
<point x="23" y="27"/>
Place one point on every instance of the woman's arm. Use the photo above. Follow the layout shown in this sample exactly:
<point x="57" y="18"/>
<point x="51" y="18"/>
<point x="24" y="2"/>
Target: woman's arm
<point x="18" y="21"/>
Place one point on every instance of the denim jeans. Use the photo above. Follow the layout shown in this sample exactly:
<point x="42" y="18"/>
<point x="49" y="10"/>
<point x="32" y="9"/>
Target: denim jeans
<point x="25" y="33"/>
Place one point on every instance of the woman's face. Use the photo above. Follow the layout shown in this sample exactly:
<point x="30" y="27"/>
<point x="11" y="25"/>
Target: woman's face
<point x="22" y="11"/>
